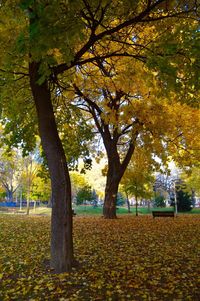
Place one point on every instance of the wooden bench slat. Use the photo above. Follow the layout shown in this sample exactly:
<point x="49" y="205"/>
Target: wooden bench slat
<point x="163" y="213"/>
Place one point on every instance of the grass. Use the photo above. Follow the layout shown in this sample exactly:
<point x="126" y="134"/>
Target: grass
<point x="90" y="210"/>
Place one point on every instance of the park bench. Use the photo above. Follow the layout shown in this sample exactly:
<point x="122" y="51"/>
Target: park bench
<point x="163" y="214"/>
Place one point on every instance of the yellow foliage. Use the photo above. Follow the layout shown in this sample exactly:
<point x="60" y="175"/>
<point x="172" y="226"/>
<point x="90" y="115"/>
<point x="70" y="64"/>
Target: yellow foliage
<point x="126" y="259"/>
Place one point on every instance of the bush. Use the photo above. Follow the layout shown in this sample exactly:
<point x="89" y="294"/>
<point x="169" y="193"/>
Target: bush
<point x="159" y="201"/>
<point x="184" y="200"/>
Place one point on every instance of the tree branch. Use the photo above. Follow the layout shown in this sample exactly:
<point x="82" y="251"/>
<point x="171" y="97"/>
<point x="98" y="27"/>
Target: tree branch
<point x="108" y="32"/>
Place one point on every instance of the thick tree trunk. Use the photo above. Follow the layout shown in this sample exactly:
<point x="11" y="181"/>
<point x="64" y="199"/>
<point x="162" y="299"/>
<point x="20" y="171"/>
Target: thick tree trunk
<point x="61" y="220"/>
<point x="109" y="208"/>
<point x="115" y="172"/>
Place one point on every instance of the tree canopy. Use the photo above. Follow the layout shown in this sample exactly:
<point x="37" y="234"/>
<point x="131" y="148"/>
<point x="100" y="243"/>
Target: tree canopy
<point x="43" y="45"/>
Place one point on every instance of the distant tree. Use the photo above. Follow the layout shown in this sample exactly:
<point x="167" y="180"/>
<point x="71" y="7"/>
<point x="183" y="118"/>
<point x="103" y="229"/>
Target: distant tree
<point x="184" y="198"/>
<point x="78" y="181"/>
<point x="138" y="178"/>
<point x="159" y="201"/>
<point x="120" y="199"/>
<point x="192" y="179"/>
<point x="94" y="198"/>
<point x="30" y="169"/>
<point x="41" y="189"/>
<point x="184" y="201"/>
<point x="10" y="172"/>
<point x="84" y="194"/>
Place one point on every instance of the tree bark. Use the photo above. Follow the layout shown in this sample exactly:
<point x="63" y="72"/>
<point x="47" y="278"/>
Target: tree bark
<point x="28" y="204"/>
<point x="136" y="205"/>
<point x="115" y="172"/>
<point x="9" y="194"/>
<point x="109" y="208"/>
<point x="61" y="219"/>
<point x="128" y="202"/>
<point x="149" y="206"/>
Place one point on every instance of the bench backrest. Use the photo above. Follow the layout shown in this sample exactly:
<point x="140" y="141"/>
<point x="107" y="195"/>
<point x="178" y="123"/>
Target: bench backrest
<point x="163" y="213"/>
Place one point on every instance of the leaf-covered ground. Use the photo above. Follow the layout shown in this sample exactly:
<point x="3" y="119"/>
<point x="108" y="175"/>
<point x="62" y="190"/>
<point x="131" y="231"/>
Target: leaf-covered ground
<point x="125" y="259"/>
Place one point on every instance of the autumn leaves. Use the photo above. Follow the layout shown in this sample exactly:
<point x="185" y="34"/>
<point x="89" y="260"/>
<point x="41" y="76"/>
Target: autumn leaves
<point x="125" y="259"/>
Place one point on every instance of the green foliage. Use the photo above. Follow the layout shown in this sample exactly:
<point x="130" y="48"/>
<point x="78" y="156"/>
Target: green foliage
<point x="43" y="15"/>
<point x="120" y="201"/>
<point x="138" y="178"/>
<point x="78" y="181"/>
<point x="18" y="114"/>
<point x="171" y="54"/>
<point x="75" y="134"/>
<point x="159" y="201"/>
<point x="192" y="179"/>
<point x="84" y="194"/>
<point x="10" y="171"/>
<point x="184" y="200"/>
<point x="41" y="189"/>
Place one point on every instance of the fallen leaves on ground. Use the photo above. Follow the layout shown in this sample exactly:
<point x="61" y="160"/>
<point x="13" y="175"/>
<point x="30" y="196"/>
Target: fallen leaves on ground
<point x="131" y="258"/>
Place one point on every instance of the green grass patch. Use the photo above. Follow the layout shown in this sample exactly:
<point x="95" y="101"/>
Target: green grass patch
<point x="98" y="211"/>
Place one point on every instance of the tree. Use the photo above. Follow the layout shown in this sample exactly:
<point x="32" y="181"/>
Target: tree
<point x="126" y="115"/>
<point x="78" y="181"/>
<point x="126" y="192"/>
<point x="41" y="189"/>
<point x="40" y="59"/>
<point x="30" y="169"/>
<point x="120" y="199"/>
<point x="131" y="105"/>
<point x="159" y="200"/>
<point x="138" y="178"/>
<point x="84" y="194"/>
<point x="192" y="180"/>
<point x="10" y="172"/>
<point x="184" y="200"/>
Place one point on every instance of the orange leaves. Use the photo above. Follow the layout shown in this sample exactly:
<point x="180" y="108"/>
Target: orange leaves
<point x="125" y="259"/>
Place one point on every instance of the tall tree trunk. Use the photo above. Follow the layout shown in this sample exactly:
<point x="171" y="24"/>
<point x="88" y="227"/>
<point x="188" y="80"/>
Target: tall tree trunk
<point x="115" y="172"/>
<point x="109" y="208"/>
<point x="61" y="219"/>
<point x="111" y="189"/>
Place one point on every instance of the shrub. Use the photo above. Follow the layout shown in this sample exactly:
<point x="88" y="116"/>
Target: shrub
<point x="159" y="201"/>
